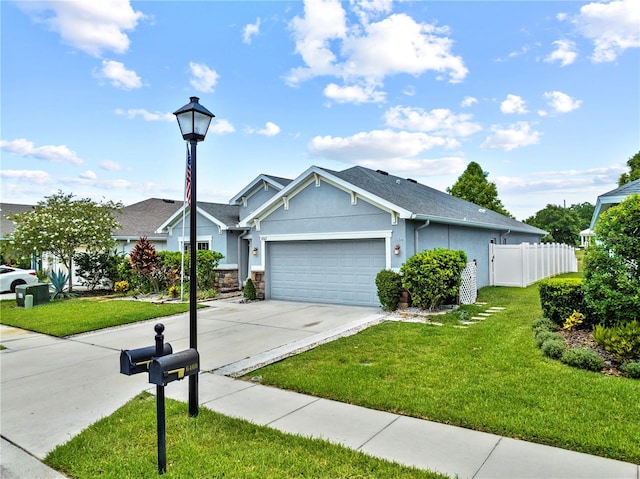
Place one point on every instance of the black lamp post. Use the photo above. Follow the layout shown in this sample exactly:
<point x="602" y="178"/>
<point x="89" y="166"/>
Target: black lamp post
<point x="194" y="120"/>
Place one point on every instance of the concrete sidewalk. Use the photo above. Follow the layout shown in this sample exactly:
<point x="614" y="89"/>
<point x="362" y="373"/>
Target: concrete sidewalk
<point x="450" y="450"/>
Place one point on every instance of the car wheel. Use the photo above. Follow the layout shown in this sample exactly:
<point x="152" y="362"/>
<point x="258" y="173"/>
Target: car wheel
<point x="17" y="283"/>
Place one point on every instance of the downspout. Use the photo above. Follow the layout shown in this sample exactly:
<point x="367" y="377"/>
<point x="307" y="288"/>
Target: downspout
<point x="507" y="233"/>
<point x="415" y="237"/>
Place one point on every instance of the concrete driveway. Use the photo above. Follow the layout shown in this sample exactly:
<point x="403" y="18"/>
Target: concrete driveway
<point x="54" y="388"/>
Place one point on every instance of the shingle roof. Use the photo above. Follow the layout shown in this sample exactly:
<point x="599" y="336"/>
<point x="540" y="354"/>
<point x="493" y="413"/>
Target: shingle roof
<point x="227" y="214"/>
<point x="7" y="227"/>
<point x="625" y="190"/>
<point x="143" y="218"/>
<point x="424" y="201"/>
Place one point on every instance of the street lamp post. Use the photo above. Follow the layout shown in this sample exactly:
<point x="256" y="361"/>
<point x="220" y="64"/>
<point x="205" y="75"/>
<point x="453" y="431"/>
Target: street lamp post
<point x="193" y="120"/>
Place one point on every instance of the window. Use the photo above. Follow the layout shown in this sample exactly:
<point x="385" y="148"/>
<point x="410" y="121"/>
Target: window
<point x="200" y="245"/>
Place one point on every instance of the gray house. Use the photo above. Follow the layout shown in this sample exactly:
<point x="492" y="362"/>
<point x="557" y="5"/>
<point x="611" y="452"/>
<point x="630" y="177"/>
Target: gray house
<point x="612" y="198"/>
<point x="324" y="236"/>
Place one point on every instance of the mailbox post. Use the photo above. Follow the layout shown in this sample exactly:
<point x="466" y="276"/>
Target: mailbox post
<point x="160" y="408"/>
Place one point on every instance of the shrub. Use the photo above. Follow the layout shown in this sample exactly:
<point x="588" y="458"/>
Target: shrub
<point x="207" y="262"/>
<point x="583" y="358"/>
<point x="559" y="298"/>
<point x="612" y="265"/>
<point x="544" y="336"/>
<point x="544" y="324"/>
<point x="97" y="268"/>
<point x="433" y="277"/>
<point x="632" y="368"/>
<point x="553" y="348"/>
<point x="59" y="281"/>
<point x="389" y="285"/>
<point x="121" y="287"/>
<point x="249" y="290"/>
<point x="623" y="341"/>
<point x="173" y="291"/>
<point x="573" y="321"/>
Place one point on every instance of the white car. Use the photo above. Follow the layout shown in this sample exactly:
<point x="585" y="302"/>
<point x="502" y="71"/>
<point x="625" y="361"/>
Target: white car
<point x="11" y="277"/>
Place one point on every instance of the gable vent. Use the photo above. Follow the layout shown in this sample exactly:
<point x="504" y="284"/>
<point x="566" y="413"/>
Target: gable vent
<point x="168" y="201"/>
<point x="411" y="180"/>
<point x="382" y="172"/>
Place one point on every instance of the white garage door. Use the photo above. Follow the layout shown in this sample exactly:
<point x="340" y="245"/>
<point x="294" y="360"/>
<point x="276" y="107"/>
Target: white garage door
<point x="338" y="272"/>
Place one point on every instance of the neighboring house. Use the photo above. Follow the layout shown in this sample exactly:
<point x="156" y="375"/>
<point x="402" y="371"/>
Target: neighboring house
<point x="612" y="198"/>
<point x="7" y="227"/>
<point x="143" y="219"/>
<point x="325" y="235"/>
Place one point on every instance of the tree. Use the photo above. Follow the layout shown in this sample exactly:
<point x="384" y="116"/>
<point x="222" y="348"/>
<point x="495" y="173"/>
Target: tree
<point x="563" y="224"/>
<point x="634" y="164"/>
<point x="472" y="185"/>
<point x="585" y="212"/>
<point x="61" y="225"/>
<point x="612" y="264"/>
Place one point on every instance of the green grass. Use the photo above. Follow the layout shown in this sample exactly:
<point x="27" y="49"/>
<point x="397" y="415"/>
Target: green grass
<point x="73" y="316"/>
<point x="489" y="377"/>
<point x="123" y="445"/>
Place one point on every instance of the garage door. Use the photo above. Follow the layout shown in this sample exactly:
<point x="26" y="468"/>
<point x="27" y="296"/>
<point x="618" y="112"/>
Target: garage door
<point x="338" y="272"/>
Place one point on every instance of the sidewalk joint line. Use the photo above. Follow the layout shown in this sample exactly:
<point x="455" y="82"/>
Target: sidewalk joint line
<point x="487" y="458"/>
<point x="294" y="411"/>
<point x="397" y="416"/>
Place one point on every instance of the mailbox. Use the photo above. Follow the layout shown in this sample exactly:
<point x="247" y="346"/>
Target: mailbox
<point x="134" y="361"/>
<point x="175" y="366"/>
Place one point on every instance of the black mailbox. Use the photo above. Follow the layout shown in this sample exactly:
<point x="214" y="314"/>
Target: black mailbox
<point x="134" y="361"/>
<point x="174" y="366"/>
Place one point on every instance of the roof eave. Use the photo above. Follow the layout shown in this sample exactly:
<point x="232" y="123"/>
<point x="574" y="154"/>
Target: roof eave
<point x="478" y="224"/>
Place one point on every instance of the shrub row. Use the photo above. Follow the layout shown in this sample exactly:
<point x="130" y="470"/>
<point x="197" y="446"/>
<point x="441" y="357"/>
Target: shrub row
<point x="553" y="346"/>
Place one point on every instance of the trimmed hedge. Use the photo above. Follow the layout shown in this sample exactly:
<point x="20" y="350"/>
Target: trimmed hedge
<point x="389" y="285"/>
<point x="560" y="297"/>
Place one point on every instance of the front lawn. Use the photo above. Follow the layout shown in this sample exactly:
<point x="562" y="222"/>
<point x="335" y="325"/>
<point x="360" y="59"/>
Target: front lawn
<point x="123" y="445"/>
<point x="490" y="377"/>
<point x="73" y="316"/>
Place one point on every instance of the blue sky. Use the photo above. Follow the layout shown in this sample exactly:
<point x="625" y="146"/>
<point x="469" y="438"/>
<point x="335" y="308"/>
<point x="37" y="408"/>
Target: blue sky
<point x="544" y="95"/>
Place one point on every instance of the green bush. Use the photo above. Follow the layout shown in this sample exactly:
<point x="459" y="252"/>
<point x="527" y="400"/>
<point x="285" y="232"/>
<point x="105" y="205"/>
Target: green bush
<point x="389" y="285"/>
<point x="553" y="348"/>
<point x="207" y="262"/>
<point x="97" y="268"/>
<point x="559" y="298"/>
<point x="632" y="368"/>
<point x="544" y="324"/>
<point x="583" y="358"/>
<point x="249" y="290"/>
<point x="544" y="336"/>
<point x="612" y="265"/>
<point x="433" y="277"/>
<point x="623" y="341"/>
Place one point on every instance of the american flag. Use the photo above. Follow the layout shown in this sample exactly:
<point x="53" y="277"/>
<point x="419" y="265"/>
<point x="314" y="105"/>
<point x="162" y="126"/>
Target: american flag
<point x="188" y="178"/>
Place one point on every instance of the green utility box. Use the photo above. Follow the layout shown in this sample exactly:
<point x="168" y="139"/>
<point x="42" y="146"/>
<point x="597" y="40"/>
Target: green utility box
<point x="40" y="293"/>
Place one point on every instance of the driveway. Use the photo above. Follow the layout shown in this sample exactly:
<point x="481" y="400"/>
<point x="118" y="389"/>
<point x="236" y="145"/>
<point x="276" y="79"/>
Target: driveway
<point x="54" y="388"/>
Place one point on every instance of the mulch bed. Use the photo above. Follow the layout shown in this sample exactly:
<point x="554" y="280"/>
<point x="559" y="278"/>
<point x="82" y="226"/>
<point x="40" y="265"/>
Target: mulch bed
<point x="581" y="338"/>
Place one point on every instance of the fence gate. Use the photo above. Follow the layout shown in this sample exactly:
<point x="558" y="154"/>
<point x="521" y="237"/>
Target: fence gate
<point x="468" y="287"/>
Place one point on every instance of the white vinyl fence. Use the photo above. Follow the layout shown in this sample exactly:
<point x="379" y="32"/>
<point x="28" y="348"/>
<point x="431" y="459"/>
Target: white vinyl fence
<point x="524" y="264"/>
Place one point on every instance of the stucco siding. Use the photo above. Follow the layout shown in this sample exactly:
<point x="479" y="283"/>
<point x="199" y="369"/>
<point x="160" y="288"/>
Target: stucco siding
<point x="256" y="199"/>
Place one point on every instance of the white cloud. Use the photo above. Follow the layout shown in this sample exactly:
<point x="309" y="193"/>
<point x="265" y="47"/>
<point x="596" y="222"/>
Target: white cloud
<point x="53" y="153"/>
<point x="367" y="52"/>
<point x="561" y="102"/>
<point x="468" y="101"/>
<point x="203" y="78"/>
<point x="251" y="30"/>
<point x="514" y="136"/>
<point x="146" y="115"/>
<point x="440" y="121"/>
<point x="354" y="94"/>
<point x="88" y="175"/>
<point x="513" y="104"/>
<point x="119" y="76"/>
<point x="374" y="145"/>
<point x="270" y="129"/>
<point x="31" y="176"/>
<point x="220" y="127"/>
<point x="110" y="165"/>
<point x="93" y="27"/>
<point x="612" y="26"/>
<point x="565" y="53"/>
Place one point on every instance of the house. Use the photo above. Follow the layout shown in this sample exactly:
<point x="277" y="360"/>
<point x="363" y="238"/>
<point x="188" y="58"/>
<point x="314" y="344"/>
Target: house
<point x="8" y="227"/>
<point x="324" y="236"/>
<point x="612" y="198"/>
<point x="143" y="219"/>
